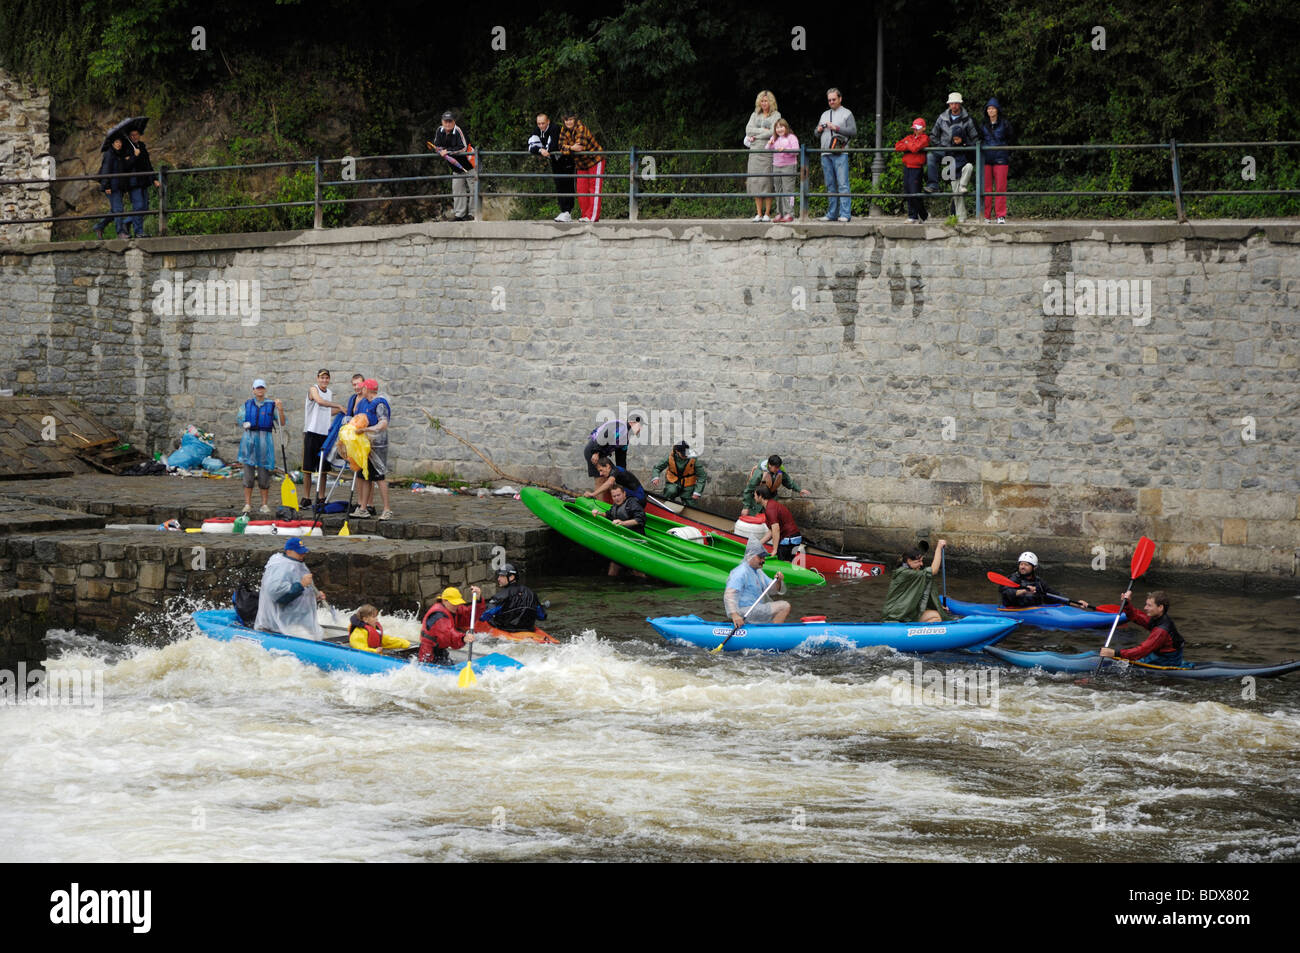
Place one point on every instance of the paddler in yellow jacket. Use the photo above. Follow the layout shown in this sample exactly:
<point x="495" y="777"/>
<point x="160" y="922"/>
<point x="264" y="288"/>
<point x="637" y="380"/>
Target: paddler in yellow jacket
<point x="366" y="634"/>
<point x="685" y="477"/>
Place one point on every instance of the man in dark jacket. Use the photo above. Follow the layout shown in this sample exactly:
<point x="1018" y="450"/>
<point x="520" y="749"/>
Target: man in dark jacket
<point x="451" y="143"/>
<point x="545" y="142"/>
<point x="515" y="607"/>
<point x="114" y="161"/>
<point x="954" y="127"/>
<point x="1030" y="589"/>
<point x="141" y="164"/>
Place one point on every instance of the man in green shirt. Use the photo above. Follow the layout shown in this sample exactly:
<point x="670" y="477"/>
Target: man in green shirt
<point x="912" y="595"/>
<point x="772" y="475"/>
<point x="686" y="475"/>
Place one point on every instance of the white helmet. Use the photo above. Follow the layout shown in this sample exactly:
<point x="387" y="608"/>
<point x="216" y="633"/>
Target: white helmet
<point x="1028" y="557"/>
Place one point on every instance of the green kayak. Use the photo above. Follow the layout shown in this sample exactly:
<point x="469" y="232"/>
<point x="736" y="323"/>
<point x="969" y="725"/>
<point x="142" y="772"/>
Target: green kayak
<point x="657" y="553"/>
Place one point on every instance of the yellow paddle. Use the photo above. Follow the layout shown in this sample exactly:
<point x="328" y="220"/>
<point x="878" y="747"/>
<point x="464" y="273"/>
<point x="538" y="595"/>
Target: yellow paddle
<point x="288" y="492"/>
<point x="467" y="676"/>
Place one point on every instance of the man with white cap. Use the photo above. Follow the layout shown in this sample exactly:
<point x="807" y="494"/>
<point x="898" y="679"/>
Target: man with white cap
<point x="1030" y="589"/>
<point x="287" y="600"/>
<point x="954" y="127"/>
<point x="256" y="446"/>
<point x="746" y="585"/>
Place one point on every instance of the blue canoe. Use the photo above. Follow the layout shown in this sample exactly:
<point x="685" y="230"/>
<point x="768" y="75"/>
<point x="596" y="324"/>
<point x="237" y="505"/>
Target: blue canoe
<point x="224" y="625"/>
<point x="1044" y="617"/>
<point x="784" y="636"/>
<point x="1085" y="663"/>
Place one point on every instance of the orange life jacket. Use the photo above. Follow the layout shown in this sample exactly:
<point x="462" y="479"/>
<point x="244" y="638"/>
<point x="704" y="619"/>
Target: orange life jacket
<point x="687" y="475"/>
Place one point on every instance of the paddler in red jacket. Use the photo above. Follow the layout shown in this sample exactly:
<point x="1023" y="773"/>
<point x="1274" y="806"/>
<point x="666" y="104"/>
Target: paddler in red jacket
<point x="441" y="629"/>
<point x="1164" y="646"/>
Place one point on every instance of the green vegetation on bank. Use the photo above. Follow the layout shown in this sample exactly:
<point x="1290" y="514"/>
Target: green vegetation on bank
<point x="292" y="80"/>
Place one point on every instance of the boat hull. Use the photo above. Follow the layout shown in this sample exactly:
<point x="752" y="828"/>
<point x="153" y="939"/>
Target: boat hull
<point x="1043" y="617"/>
<point x="782" y="637"/>
<point x="1087" y="663"/>
<point x="224" y="625"/>
<point x="814" y="557"/>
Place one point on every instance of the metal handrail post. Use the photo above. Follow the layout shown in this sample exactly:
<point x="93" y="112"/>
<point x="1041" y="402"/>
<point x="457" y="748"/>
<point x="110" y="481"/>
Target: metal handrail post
<point x="476" y="196"/>
<point x="979" y="182"/>
<point x="162" y="201"/>
<point x="318" y="218"/>
<point x="631" y="184"/>
<point x="1178" y="181"/>
<point x="803" y="183"/>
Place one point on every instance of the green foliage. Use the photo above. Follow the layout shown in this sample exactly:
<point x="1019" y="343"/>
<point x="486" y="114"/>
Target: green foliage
<point x="188" y="194"/>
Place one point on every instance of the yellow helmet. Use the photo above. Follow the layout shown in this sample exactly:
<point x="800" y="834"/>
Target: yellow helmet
<point x="451" y="595"/>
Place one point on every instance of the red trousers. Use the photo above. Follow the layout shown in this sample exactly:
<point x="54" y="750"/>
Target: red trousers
<point x="589" y="182"/>
<point x="995" y="180"/>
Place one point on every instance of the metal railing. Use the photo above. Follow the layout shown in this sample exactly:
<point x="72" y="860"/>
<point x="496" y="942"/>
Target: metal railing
<point x="334" y="183"/>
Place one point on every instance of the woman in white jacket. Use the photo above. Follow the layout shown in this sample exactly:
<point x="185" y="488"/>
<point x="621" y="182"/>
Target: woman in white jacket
<point x="757" y="133"/>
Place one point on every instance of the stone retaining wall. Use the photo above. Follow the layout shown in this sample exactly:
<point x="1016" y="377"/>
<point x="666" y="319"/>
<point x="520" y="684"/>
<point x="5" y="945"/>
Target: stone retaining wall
<point x="104" y="584"/>
<point x="24" y="154"/>
<point x="915" y="379"/>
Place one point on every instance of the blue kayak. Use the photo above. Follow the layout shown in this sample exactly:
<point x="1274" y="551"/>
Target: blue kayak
<point x="1044" y="617"/>
<point x="1085" y="663"/>
<point x="223" y="624"/>
<point x="784" y="636"/>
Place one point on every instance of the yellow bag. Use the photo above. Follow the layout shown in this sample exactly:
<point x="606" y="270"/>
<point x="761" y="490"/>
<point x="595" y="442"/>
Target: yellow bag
<point x="356" y="445"/>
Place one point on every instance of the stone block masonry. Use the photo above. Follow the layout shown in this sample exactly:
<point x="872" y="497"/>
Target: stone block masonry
<point x="1057" y="386"/>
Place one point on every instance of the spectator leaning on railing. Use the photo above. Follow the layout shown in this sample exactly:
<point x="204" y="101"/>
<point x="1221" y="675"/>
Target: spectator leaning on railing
<point x="545" y="142"/>
<point x="913" y="149"/>
<point x="954" y="127"/>
<point x="836" y="128"/>
<point x="589" y="165"/>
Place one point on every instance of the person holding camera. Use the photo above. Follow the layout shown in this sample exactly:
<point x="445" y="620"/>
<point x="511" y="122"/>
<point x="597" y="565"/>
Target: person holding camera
<point x="836" y="128"/>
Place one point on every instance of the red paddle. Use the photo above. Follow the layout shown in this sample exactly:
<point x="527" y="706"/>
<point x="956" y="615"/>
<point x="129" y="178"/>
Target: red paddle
<point x="1000" y="580"/>
<point x="1141" y="560"/>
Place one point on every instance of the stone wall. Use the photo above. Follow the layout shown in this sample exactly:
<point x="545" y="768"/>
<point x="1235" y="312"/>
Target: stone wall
<point x="914" y="379"/>
<point x="105" y="584"/>
<point x="24" y="154"/>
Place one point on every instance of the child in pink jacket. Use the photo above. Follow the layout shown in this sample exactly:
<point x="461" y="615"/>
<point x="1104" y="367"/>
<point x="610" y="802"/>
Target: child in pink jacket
<point x="785" y="169"/>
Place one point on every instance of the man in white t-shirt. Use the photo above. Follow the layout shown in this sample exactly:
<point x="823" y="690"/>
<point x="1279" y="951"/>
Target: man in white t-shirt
<point x="316" y="419"/>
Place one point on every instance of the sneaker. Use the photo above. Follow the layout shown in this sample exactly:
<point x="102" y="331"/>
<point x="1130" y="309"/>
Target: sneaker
<point x="826" y="218"/>
<point x="843" y="219"/>
<point x="248" y="508"/>
<point x="766" y="218"/>
<point x="264" y="510"/>
<point x="305" y="505"/>
<point x="584" y="219"/>
<point x="913" y="221"/>
<point x="757" y="218"/>
<point x="930" y="188"/>
<point x="386" y="515"/>
<point x="358" y="511"/>
<point x="1002" y="220"/>
<point x="564" y="217"/>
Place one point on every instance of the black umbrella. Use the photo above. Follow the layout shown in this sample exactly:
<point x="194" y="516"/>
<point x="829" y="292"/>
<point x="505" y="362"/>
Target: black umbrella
<point x="122" y="128"/>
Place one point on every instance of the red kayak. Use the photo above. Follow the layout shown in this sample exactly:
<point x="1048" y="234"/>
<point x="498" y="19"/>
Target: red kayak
<point x="813" y="557"/>
<point x="531" y="635"/>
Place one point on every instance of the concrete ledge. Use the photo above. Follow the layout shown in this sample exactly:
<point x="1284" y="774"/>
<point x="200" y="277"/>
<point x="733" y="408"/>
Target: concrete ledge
<point x="1276" y="230"/>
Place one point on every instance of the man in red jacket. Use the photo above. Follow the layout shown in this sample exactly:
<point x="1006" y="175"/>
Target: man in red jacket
<point x="439" y="632"/>
<point x="913" y="149"/>
<point x="1164" y="646"/>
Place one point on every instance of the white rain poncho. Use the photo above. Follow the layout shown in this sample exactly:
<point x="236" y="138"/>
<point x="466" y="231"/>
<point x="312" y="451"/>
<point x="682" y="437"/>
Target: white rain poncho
<point x="279" y="608"/>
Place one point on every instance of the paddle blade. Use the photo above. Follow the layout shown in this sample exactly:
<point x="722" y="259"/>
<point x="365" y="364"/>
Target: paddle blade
<point x="467" y="678"/>
<point x="1142" y="556"/>
<point x="288" y="493"/>
<point x="1000" y="580"/>
<point x="1109" y="609"/>
<point x="345" y="531"/>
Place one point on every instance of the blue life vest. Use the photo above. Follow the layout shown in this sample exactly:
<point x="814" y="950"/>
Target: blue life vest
<point x="261" y="418"/>
<point x="367" y="407"/>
